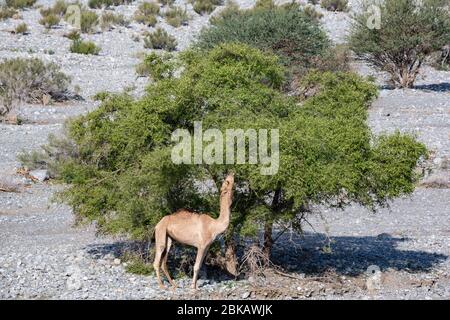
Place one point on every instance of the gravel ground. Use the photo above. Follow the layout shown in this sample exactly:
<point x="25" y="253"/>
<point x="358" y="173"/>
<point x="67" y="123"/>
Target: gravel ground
<point x="42" y="256"/>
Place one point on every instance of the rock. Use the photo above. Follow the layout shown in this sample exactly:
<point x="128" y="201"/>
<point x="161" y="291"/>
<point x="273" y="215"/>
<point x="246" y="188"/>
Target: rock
<point x="245" y="295"/>
<point x="40" y="175"/>
<point x="116" y="261"/>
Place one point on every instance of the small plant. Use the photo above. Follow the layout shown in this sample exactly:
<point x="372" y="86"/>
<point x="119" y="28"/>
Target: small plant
<point x="98" y="4"/>
<point x="20" y="4"/>
<point x="30" y="80"/>
<point x="146" y="13"/>
<point x="21" y="28"/>
<point x="88" y="21"/>
<point x="50" y="20"/>
<point x="138" y="266"/>
<point x="73" y="35"/>
<point x="160" y="39"/>
<point x="84" y="47"/>
<point x="166" y="2"/>
<point x="176" y="16"/>
<point x="109" y="19"/>
<point x="231" y="8"/>
<point x="205" y="6"/>
<point x="59" y="9"/>
<point x="335" y="5"/>
<point x="265" y="4"/>
<point x="156" y="66"/>
<point x="6" y="12"/>
<point x="310" y="11"/>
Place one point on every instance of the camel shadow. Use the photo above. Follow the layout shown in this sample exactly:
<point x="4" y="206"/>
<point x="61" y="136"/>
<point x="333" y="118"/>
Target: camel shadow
<point x="315" y="254"/>
<point x="311" y="254"/>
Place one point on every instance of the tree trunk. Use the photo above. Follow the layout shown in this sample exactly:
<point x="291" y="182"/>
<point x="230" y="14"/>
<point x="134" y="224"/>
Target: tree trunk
<point x="268" y="241"/>
<point x="231" y="263"/>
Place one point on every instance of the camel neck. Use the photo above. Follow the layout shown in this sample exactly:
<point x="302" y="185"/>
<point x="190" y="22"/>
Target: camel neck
<point x="224" y="217"/>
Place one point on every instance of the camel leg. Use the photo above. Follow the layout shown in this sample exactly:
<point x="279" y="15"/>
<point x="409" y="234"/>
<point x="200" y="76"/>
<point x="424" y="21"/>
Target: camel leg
<point x="201" y="253"/>
<point x="164" y="263"/>
<point x="160" y="246"/>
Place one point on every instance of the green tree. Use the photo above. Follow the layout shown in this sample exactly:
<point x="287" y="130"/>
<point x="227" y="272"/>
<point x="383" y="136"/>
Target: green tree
<point x="121" y="174"/>
<point x="409" y="31"/>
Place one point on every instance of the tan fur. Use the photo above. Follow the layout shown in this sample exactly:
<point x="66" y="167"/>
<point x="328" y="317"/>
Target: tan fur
<point x="197" y="230"/>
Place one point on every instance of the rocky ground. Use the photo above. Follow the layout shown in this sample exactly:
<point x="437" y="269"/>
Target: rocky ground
<point x="400" y="252"/>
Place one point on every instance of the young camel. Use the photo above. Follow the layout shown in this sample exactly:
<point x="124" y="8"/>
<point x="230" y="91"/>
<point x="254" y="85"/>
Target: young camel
<point x="197" y="230"/>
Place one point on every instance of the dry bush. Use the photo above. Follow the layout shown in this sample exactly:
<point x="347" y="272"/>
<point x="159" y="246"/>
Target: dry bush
<point x="30" y="80"/>
<point x="19" y="4"/>
<point x="21" y="28"/>
<point x="146" y="13"/>
<point x="84" y="47"/>
<point x="334" y="5"/>
<point x="255" y="261"/>
<point x="89" y="21"/>
<point x="6" y="12"/>
<point x="176" y="16"/>
<point x="205" y="6"/>
<point x="160" y="39"/>
<point x="109" y="19"/>
<point x="50" y="20"/>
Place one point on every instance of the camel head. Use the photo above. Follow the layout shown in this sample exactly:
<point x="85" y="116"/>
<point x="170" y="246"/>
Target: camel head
<point x="226" y="191"/>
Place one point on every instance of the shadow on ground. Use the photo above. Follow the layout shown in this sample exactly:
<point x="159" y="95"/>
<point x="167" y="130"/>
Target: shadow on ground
<point x="312" y="254"/>
<point x="438" y="87"/>
<point x="315" y="254"/>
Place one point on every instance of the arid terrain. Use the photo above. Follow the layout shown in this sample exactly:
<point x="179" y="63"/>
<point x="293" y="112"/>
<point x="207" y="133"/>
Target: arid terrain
<point x="400" y="252"/>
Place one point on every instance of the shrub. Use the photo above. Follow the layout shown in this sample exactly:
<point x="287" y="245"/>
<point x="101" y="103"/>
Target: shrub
<point x="157" y="66"/>
<point x="205" y="6"/>
<point x="84" y="47"/>
<point x="20" y="4"/>
<point x="176" y="16"/>
<point x="146" y="13"/>
<point x="6" y="12"/>
<point x="265" y="4"/>
<point x="50" y="20"/>
<point x="288" y="32"/>
<point x="231" y="8"/>
<point x="166" y="2"/>
<point x="88" y="21"/>
<point x="59" y="9"/>
<point x="334" y="5"/>
<point x="109" y="19"/>
<point x="409" y="32"/>
<point x="160" y="39"/>
<point x="73" y="35"/>
<point x="310" y="11"/>
<point x="98" y="4"/>
<point x="30" y="80"/>
<point x="21" y="28"/>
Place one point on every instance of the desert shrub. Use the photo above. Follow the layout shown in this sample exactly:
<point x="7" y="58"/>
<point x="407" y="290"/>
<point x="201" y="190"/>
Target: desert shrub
<point x="157" y="66"/>
<point x="6" y="12"/>
<point x="50" y="20"/>
<point x="288" y="32"/>
<point x="166" y="2"/>
<point x="124" y="179"/>
<point x="88" y="21"/>
<point x="20" y="4"/>
<point x="98" y="4"/>
<point x="160" y="39"/>
<point x="30" y="80"/>
<point x="337" y="58"/>
<point x="73" y="35"/>
<point x="265" y="4"/>
<point x="58" y="9"/>
<point x="231" y="8"/>
<point x="21" y="28"/>
<point x="334" y="5"/>
<point x="205" y="6"/>
<point x="146" y="13"/>
<point x="310" y="11"/>
<point x="409" y="32"/>
<point x="109" y="19"/>
<point x="84" y="47"/>
<point x="176" y="16"/>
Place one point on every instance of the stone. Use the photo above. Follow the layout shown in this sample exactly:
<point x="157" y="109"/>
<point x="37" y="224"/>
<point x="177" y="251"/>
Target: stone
<point x="40" y="175"/>
<point x="245" y="295"/>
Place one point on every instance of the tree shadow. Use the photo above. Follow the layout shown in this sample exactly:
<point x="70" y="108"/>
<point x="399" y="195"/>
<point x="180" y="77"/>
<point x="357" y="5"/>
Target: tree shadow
<point x="437" y="87"/>
<point x="315" y="254"/>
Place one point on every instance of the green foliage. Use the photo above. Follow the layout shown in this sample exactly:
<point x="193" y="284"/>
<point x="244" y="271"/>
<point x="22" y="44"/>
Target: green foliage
<point x="160" y="39"/>
<point x="84" y="47"/>
<point x="265" y="4"/>
<point x="310" y="11"/>
<point x="88" y="21"/>
<point x="156" y="66"/>
<point x="286" y="31"/>
<point x="21" y="28"/>
<point x="6" y="12"/>
<point x="109" y="19"/>
<point x="334" y="5"/>
<point x="20" y="4"/>
<point x="409" y="32"/>
<point x="29" y="80"/>
<point x="146" y="13"/>
<point x="98" y="4"/>
<point x="137" y="266"/>
<point x="50" y="20"/>
<point x="205" y="6"/>
<point x="231" y="8"/>
<point x="123" y="176"/>
<point x="176" y="16"/>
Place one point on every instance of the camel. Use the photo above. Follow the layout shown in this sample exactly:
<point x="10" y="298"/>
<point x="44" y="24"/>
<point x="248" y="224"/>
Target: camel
<point x="197" y="230"/>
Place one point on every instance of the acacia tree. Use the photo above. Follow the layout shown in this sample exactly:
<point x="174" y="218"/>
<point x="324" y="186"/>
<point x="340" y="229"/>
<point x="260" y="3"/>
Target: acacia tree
<point x="121" y="174"/>
<point x="409" y="31"/>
